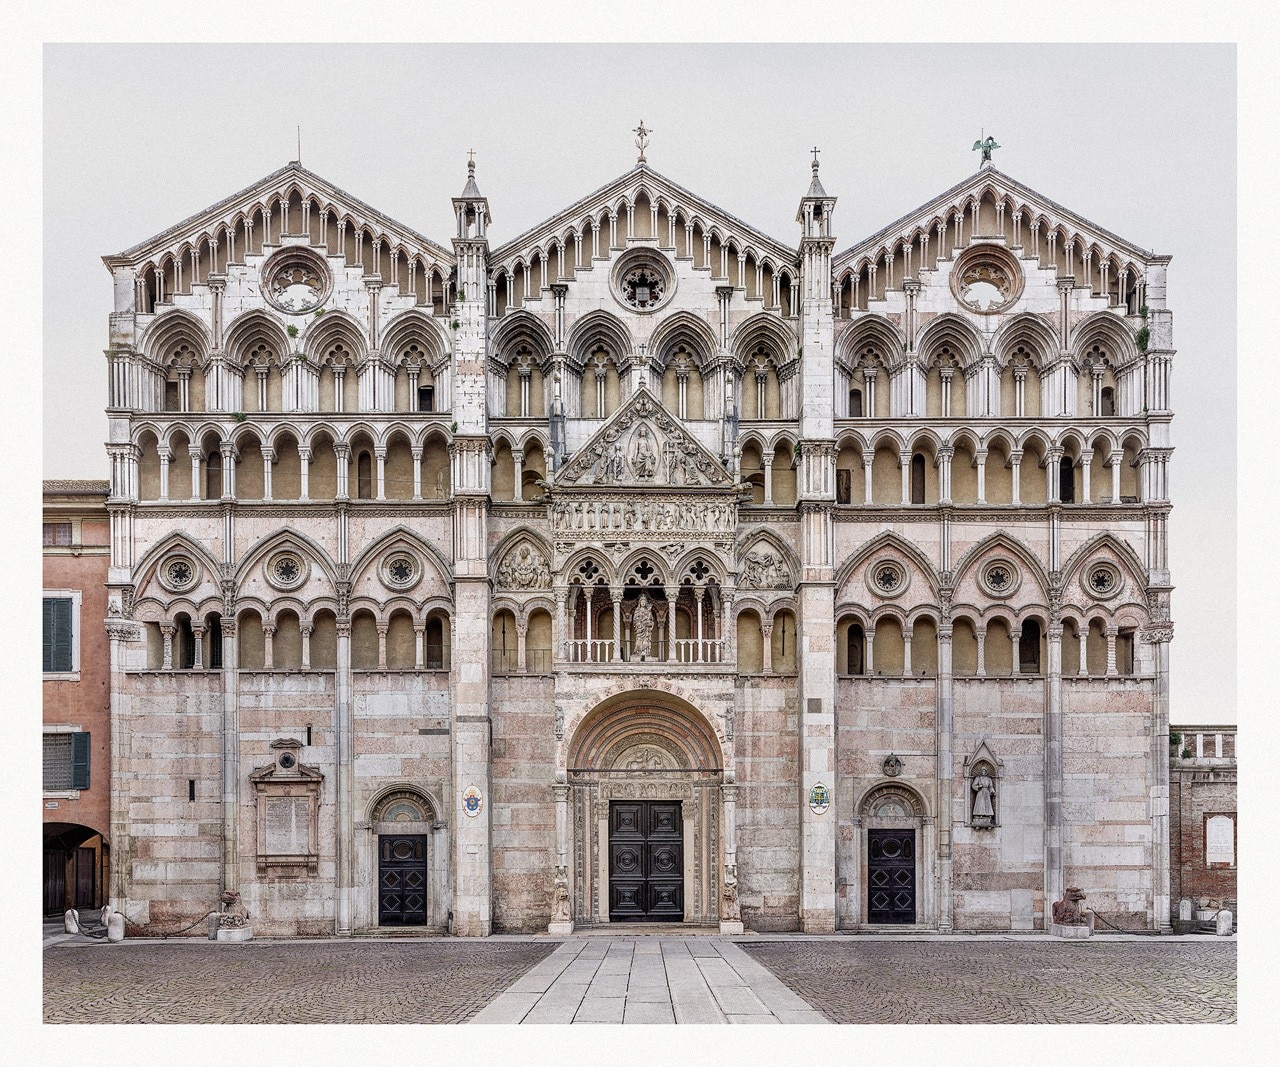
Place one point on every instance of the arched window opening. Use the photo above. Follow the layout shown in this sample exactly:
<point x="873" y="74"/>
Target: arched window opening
<point x="364" y="476"/>
<point x="504" y="644"/>
<point x="1029" y="648"/>
<point x="426" y="398"/>
<point x="435" y="649"/>
<point x="1124" y="652"/>
<point x="917" y="479"/>
<point x="1108" y="406"/>
<point x="750" y="643"/>
<point x="1067" y="480"/>
<point x="185" y="653"/>
<point x="213" y="634"/>
<point x="172" y="397"/>
<point x="214" y="476"/>
<point x="855" y="403"/>
<point x="855" y="644"/>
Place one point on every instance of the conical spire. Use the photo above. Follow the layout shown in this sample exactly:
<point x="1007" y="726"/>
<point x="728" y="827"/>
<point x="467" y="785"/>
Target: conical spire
<point x="471" y="191"/>
<point x="815" y="186"/>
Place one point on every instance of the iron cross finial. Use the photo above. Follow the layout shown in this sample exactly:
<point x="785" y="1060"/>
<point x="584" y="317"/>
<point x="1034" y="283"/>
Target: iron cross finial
<point x="815" y="155"/>
<point x="471" y="157"/>
<point x="642" y="139"/>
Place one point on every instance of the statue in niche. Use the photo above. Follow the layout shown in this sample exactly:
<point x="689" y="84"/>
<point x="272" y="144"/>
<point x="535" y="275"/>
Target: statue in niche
<point x="984" y="793"/>
<point x="642" y="626"/>
<point x="644" y="460"/>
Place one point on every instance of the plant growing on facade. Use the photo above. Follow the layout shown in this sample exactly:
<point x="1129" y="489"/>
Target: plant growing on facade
<point x="291" y="330"/>
<point x="1142" y="337"/>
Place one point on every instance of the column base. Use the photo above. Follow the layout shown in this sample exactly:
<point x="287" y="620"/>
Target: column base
<point x="727" y="927"/>
<point x="818" y="922"/>
<point x="235" y="933"/>
<point x="560" y="929"/>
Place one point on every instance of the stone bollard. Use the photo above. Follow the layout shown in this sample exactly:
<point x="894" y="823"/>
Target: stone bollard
<point x="1184" y="910"/>
<point x="115" y="927"/>
<point x="213" y="926"/>
<point x="1225" y="920"/>
<point x="71" y="921"/>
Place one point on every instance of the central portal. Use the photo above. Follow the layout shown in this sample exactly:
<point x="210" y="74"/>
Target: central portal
<point x="646" y="861"/>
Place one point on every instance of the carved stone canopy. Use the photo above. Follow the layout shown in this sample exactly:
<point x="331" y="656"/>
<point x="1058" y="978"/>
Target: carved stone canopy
<point x="643" y="447"/>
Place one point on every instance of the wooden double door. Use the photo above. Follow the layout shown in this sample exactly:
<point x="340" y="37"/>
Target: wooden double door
<point x="646" y="861"/>
<point x="891" y="876"/>
<point x="402" y="880"/>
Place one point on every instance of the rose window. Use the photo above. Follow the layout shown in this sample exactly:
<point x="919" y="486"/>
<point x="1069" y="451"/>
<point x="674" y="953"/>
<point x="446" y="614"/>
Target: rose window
<point x="178" y="574"/>
<point x="286" y="570"/>
<point x="1102" y="581"/>
<point x="887" y="578"/>
<point x="295" y="281"/>
<point x="400" y="570"/>
<point x="643" y="288"/>
<point x="987" y="279"/>
<point x="1000" y="578"/>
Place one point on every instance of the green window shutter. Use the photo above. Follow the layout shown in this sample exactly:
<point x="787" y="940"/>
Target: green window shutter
<point x="80" y="761"/>
<point x="57" y="635"/>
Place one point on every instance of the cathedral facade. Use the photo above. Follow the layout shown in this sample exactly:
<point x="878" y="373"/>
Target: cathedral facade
<point x="641" y="568"/>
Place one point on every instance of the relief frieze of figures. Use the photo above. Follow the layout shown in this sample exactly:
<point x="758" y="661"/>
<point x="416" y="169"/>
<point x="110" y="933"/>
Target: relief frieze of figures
<point x="764" y="568"/>
<point x="642" y="518"/>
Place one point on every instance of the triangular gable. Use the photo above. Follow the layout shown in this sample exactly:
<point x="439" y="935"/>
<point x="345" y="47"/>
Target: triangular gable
<point x="1001" y="184"/>
<point x="641" y="447"/>
<point x="280" y="181"/>
<point x="626" y="186"/>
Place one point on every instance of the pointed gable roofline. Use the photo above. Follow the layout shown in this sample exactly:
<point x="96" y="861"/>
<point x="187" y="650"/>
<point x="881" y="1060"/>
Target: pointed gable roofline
<point x="277" y="181"/>
<point x="641" y="175"/>
<point x="988" y="176"/>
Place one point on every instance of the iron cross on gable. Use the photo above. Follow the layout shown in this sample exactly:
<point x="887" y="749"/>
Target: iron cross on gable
<point x="642" y="140"/>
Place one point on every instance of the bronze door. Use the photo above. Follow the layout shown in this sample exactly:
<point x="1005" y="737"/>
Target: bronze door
<point x="646" y="861"/>
<point x="891" y="876"/>
<point x="402" y="880"/>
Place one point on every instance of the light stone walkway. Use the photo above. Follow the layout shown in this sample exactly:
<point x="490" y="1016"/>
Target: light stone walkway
<point x="650" y="980"/>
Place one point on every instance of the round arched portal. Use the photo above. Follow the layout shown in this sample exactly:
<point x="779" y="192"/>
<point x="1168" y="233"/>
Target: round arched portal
<point x="645" y="784"/>
<point x="405" y="863"/>
<point x="893" y="876"/>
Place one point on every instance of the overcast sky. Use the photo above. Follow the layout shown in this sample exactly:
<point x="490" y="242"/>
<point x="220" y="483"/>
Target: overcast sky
<point x="1140" y="139"/>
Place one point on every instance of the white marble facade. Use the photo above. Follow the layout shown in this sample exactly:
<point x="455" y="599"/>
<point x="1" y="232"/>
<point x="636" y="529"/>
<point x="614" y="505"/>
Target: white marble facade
<point x="471" y="545"/>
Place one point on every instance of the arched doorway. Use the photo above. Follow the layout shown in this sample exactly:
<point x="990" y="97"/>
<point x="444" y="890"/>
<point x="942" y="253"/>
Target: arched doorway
<point x="405" y="864"/>
<point x="645" y="789"/>
<point x="76" y="871"/>
<point x="894" y="874"/>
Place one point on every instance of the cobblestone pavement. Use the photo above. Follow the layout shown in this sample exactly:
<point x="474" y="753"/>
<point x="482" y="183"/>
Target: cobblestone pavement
<point x="278" y="982"/>
<point x="1009" y="982"/>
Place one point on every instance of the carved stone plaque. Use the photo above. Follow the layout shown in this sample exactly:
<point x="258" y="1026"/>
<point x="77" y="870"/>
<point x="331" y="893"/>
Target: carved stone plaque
<point x="288" y="825"/>
<point x="1219" y="839"/>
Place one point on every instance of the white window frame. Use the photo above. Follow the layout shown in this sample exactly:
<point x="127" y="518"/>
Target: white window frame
<point x="74" y="596"/>
<point x="61" y="728"/>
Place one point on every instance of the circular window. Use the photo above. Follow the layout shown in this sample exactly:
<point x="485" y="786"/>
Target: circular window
<point x="887" y="578"/>
<point x="643" y="280"/>
<point x="296" y="281"/>
<point x="286" y="570"/>
<point x="400" y="570"/>
<point x="178" y="574"/>
<point x="1000" y="578"/>
<point x="987" y="279"/>
<point x="1102" y="581"/>
<point x="286" y="760"/>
